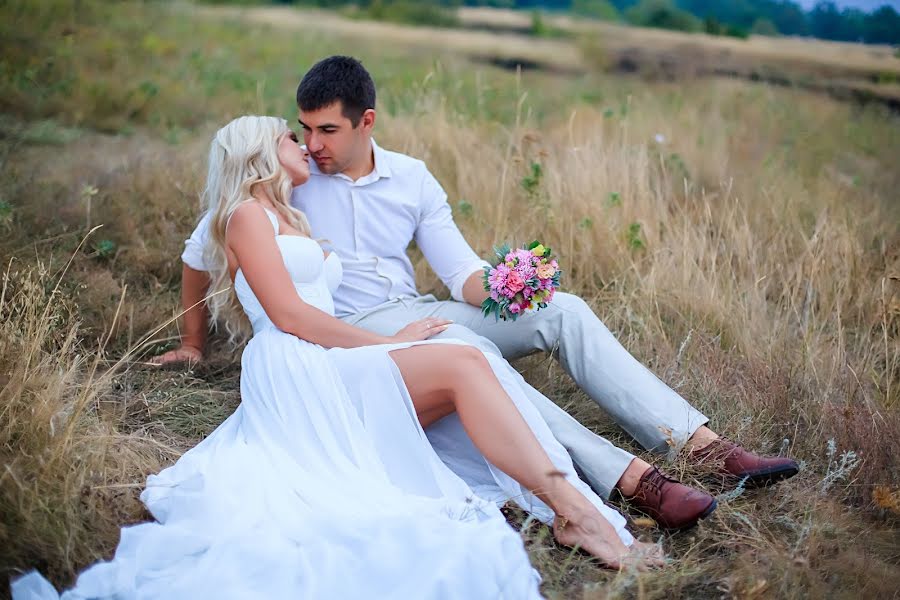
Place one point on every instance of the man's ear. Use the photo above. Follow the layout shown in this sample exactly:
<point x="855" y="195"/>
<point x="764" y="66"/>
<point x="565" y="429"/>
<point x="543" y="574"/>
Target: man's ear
<point x="367" y="121"/>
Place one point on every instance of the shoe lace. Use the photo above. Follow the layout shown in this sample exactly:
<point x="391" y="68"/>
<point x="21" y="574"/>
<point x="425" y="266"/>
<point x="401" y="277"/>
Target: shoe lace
<point x="656" y="480"/>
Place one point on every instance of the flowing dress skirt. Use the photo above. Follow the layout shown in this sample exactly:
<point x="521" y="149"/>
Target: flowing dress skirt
<point x="322" y="484"/>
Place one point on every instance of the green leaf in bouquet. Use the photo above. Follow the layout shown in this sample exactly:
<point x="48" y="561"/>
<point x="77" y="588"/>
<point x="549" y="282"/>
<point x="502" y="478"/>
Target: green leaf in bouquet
<point x="501" y="252"/>
<point x="491" y="307"/>
<point x="486" y="279"/>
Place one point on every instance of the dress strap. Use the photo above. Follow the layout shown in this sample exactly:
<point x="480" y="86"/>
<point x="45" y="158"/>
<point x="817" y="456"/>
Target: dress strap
<point x="273" y="218"/>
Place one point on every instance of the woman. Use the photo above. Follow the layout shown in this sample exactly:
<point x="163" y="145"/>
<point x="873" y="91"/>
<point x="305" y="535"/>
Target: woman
<point x="323" y="483"/>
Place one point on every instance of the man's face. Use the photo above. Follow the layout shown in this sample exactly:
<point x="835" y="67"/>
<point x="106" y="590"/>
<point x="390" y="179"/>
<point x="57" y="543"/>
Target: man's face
<point x="332" y="141"/>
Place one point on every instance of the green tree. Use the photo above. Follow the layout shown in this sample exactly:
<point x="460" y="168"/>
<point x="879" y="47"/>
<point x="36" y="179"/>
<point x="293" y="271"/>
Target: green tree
<point x="712" y="26"/>
<point x="662" y="14"/>
<point x="788" y="18"/>
<point x="421" y="12"/>
<point x="825" y="21"/>
<point x="538" y="27"/>
<point x="882" y="27"/>
<point x="763" y="26"/>
<point x="596" y="9"/>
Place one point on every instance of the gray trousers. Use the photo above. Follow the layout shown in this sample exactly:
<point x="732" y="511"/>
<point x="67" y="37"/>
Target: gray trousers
<point x="637" y="400"/>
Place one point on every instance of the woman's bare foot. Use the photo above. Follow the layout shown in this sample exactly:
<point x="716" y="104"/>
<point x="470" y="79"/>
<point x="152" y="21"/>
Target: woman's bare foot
<point x="596" y="535"/>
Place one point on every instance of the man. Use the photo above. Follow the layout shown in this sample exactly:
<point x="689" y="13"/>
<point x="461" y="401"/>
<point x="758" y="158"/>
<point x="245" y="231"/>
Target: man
<point x="370" y="203"/>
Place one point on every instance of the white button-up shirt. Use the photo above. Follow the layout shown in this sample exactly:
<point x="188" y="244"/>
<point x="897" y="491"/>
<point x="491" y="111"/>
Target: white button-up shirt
<point x="370" y="223"/>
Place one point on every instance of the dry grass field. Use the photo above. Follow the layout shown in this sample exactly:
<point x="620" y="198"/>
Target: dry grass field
<point x="765" y="51"/>
<point x="741" y="239"/>
<point x="847" y="70"/>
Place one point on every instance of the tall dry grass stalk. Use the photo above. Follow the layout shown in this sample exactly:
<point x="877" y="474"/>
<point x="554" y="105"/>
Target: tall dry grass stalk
<point x="61" y="489"/>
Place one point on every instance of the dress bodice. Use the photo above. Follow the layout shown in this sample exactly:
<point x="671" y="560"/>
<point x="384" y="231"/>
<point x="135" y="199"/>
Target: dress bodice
<point x="315" y="277"/>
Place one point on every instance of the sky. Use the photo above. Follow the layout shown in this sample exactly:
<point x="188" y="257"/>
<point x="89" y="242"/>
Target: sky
<point x="866" y="5"/>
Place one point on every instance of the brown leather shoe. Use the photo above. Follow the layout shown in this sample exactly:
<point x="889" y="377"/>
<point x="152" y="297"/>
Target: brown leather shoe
<point x="672" y="505"/>
<point x="735" y="463"/>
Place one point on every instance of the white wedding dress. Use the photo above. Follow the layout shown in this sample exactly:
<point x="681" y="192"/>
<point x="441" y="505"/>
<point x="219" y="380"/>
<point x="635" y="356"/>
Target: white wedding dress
<point x="322" y="484"/>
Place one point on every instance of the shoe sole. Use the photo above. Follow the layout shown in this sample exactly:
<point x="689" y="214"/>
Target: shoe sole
<point x="766" y="478"/>
<point x="706" y="512"/>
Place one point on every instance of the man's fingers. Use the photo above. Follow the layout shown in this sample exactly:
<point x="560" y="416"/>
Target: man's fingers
<point x="437" y="322"/>
<point x="433" y="331"/>
<point x="162" y="358"/>
<point x="160" y="361"/>
<point x="173" y="356"/>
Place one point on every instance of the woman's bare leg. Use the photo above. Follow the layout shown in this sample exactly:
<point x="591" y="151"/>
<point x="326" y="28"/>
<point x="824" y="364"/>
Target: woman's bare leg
<point x="445" y="378"/>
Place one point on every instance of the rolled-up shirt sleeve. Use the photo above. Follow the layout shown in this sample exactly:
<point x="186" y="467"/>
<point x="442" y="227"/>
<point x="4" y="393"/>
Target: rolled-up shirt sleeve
<point x="193" y="246"/>
<point x="444" y="247"/>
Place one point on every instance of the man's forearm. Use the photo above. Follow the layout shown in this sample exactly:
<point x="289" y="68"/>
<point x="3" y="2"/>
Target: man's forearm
<point x="194" y="285"/>
<point x="473" y="289"/>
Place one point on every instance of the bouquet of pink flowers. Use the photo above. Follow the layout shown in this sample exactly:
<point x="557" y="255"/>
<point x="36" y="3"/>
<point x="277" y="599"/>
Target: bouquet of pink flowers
<point x="523" y="279"/>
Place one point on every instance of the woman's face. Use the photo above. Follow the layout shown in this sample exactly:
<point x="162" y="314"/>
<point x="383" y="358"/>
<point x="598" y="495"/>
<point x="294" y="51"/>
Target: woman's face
<point x="293" y="158"/>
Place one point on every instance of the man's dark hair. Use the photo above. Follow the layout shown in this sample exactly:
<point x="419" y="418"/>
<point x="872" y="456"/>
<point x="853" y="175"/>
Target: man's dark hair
<point x="337" y="78"/>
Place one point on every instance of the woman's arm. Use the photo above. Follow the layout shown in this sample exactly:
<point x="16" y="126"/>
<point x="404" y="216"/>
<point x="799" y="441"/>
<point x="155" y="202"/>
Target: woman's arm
<point x="249" y="236"/>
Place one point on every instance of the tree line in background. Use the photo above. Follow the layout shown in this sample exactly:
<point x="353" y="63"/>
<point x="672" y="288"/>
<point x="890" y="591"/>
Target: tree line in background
<point x="738" y="18"/>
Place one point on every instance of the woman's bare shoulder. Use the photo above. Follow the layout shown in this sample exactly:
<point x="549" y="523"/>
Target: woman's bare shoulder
<point x="249" y="216"/>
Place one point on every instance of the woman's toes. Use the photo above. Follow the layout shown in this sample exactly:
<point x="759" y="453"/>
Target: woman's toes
<point x="596" y="537"/>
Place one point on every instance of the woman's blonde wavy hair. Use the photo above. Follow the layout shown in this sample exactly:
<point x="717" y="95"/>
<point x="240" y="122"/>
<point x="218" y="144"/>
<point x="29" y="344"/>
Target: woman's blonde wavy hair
<point x="243" y="158"/>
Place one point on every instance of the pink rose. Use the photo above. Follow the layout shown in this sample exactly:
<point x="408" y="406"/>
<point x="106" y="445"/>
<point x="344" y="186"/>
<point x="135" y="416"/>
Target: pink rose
<point x="514" y="282"/>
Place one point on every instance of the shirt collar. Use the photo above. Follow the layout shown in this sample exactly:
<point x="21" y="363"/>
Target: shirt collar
<point x="382" y="168"/>
<point x="382" y="161"/>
